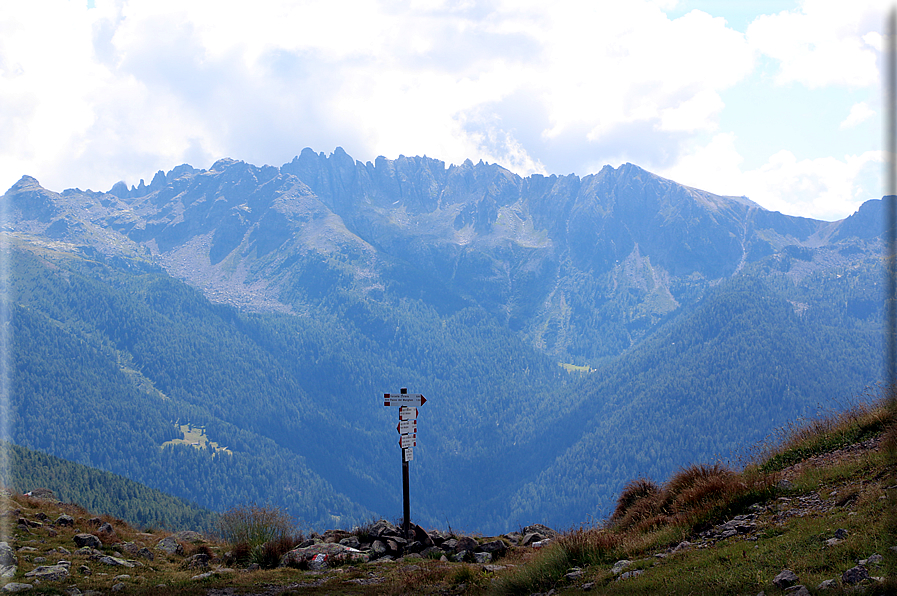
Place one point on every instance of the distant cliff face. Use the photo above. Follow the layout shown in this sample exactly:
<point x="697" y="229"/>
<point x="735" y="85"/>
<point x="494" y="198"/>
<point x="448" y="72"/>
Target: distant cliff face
<point x="567" y="262"/>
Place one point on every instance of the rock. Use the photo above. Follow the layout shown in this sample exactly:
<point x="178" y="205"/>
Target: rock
<point x="84" y="570"/>
<point x="413" y="547"/>
<point x="118" y="587"/>
<point x="422" y="536"/>
<point x="170" y="546"/>
<point x="350" y="541"/>
<point x="51" y="573"/>
<point x="840" y="533"/>
<point x="198" y="561"/>
<point x="541" y="543"/>
<point x="114" y="561"/>
<point x="42" y="493"/>
<point x="383" y="528"/>
<point x="829" y="584"/>
<point x="327" y="551"/>
<point x="833" y="542"/>
<point x="798" y="590"/>
<point x="482" y="558"/>
<point x="540" y="529"/>
<point x="496" y="547"/>
<point x="872" y="560"/>
<point x="573" y="574"/>
<point x="378" y="549"/>
<point x="855" y="575"/>
<point x="188" y="536"/>
<point x="588" y="586"/>
<point x="15" y="587"/>
<point x="620" y="565"/>
<point x="630" y="574"/>
<point x="8" y="560"/>
<point x="88" y="540"/>
<point x="466" y="543"/>
<point x="66" y="521"/>
<point x="106" y="528"/>
<point x="532" y="537"/>
<point x="785" y="579"/>
<point x="449" y="545"/>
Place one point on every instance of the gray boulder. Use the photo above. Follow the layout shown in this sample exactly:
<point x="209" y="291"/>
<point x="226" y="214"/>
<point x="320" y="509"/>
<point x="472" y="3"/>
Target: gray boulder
<point x="88" y="540"/>
<point x="785" y="579"/>
<point x="115" y="561"/>
<point x="829" y="584"/>
<point x="8" y="561"/>
<point x="49" y="573"/>
<point x="855" y="575"/>
<point x="495" y="547"/>
<point x="482" y="558"/>
<point x="620" y="565"/>
<point x="545" y="531"/>
<point x="170" y="546"/>
<point x="16" y="587"/>
<point x="466" y="543"/>
<point x="65" y="521"/>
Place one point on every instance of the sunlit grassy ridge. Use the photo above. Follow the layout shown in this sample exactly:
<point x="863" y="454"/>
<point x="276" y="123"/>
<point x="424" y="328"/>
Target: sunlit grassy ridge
<point x="651" y="520"/>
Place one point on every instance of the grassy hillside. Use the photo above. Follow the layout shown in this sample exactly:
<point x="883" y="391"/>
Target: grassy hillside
<point x="97" y="490"/>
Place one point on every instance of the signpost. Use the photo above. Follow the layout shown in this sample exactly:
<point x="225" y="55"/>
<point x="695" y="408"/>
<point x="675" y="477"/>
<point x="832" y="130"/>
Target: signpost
<point x="407" y="427"/>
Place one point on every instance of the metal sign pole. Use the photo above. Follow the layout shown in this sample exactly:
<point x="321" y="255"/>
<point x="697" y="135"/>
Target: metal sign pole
<point x="406" y="498"/>
<point x="406" y="527"/>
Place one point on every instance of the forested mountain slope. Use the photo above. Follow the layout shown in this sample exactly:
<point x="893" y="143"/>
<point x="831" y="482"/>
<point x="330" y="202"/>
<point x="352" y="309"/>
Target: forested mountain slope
<point x="707" y="321"/>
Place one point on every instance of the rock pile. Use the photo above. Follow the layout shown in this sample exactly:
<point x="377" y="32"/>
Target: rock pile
<point x="383" y="541"/>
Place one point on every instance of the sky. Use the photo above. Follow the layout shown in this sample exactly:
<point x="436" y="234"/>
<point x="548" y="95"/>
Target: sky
<point x="779" y="101"/>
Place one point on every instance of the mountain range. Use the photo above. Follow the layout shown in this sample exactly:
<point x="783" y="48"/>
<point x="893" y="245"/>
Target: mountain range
<point x="570" y="333"/>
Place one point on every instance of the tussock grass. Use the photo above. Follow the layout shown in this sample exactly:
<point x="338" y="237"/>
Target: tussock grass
<point x="870" y="415"/>
<point x="651" y="517"/>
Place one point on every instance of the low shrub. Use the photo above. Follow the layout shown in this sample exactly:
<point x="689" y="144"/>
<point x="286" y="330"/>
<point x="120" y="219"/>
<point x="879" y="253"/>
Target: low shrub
<point x="255" y="525"/>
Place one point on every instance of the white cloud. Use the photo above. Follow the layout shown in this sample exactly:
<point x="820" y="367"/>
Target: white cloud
<point x="825" y="188"/>
<point x="859" y="112"/>
<point x="132" y="86"/>
<point x="823" y="42"/>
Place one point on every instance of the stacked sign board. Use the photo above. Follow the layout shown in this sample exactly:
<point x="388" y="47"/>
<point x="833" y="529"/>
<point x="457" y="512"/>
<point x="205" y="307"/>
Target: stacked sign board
<point x="407" y="427"/>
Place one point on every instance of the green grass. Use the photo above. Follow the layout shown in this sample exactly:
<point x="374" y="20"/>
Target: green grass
<point x="857" y="490"/>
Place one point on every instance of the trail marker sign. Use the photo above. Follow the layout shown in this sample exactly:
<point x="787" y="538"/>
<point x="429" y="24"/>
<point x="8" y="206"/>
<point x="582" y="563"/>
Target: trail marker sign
<point x="407" y="427"/>
<point x="403" y="399"/>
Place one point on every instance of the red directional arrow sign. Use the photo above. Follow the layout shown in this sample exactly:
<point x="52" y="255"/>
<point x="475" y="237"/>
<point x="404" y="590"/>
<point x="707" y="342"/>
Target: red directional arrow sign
<point x="406" y="427"/>
<point x="404" y="399"/>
